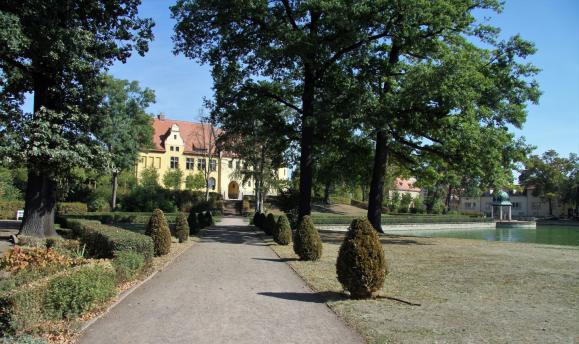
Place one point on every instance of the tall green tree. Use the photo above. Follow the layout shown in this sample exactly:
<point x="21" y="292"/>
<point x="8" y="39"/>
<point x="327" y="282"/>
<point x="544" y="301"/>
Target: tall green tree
<point x="195" y="181"/>
<point x="125" y="127"/>
<point x="173" y="179"/>
<point x="298" y="43"/>
<point x="548" y="175"/>
<point x="444" y="100"/>
<point x="56" y="51"/>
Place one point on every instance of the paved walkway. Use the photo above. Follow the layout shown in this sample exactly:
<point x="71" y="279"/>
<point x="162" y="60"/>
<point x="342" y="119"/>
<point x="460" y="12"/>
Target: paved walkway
<point x="229" y="288"/>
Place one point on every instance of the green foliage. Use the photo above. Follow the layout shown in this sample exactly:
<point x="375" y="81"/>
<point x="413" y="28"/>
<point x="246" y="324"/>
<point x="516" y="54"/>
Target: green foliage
<point x="307" y="242"/>
<point x="195" y="181"/>
<point x="269" y="225"/>
<point x="99" y="204"/>
<point x="283" y="232"/>
<point x="158" y="230"/>
<point x="149" y="177"/>
<point x="8" y="191"/>
<point x="173" y="179"/>
<point x="65" y="294"/>
<point x="23" y="339"/>
<point x="73" y="294"/>
<point x="182" y="228"/>
<point x="104" y="241"/>
<point x="127" y="265"/>
<point x="71" y="208"/>
<point x="194" y="226"/>
<point x="361" y="265"/>
<point x="8" y="209"/>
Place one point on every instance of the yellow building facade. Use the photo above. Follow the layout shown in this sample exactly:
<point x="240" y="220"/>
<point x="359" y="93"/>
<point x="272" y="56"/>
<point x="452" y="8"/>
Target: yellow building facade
<point x="190" y="147"/>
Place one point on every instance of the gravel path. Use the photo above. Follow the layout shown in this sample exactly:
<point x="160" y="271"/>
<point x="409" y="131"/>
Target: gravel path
<point x="229" y="288"/>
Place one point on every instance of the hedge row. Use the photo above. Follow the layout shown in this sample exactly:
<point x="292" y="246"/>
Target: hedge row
<point x="110" y="218"/>
<point x="342" y="219"/>
<point x="104" y="241"/>
<point x="8" y="209"/>
<point x="64" y="295"/>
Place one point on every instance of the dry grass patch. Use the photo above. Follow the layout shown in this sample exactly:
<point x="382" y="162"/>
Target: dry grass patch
<point x="468" y="291"/>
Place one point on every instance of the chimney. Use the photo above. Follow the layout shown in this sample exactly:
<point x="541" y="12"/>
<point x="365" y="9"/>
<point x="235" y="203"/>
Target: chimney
<point x="161" y="116"/>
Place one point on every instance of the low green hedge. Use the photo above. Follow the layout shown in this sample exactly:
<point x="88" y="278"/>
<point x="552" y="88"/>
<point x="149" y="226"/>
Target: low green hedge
<point x="8" y="209"/>
<point x="399" y="219"/>
<point x="104" y="241"/>
<point x="121" y="217"/>
<point x="64" y="295"/>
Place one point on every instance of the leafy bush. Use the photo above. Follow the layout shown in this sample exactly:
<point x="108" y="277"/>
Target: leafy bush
<point x="182" y="228"/>
<point x="21" y="258"/>
<point x="201" y="220"/>
<point x="149" y="198"/>
<point x="361" y="265"/>
<point x="209" y="219"/>
<point x="71" y="295"/>
<point x="193" y="223"/>
<point x="104" y="241"/>
<point x="282" y="233"/>
<point x="262" y="221"/>
<point x="71" y="208"/>
<point x="257" y="219"/>
<point x="158" y="230"/>
<point x="99" y="204"/>
<point x="270" y="224"/>
<point x="127" y="265"/>
<point x="307" y="242"/>
<point x="8" y="209"/>
<point x="65" y="294"/>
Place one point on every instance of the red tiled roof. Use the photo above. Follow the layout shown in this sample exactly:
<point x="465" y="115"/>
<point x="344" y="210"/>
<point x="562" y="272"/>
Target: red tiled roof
<point x="405" y="185"/>
<point x="195" y="135"/>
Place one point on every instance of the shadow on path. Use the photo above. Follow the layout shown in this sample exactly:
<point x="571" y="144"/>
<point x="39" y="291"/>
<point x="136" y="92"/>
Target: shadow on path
<point x="278" y="260"/>
<point x="232" y="235"/>
<point x="319" y="297"/>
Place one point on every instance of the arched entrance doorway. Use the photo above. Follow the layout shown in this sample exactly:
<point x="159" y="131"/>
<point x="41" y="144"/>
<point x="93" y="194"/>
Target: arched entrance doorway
<point x="233" y="190"/>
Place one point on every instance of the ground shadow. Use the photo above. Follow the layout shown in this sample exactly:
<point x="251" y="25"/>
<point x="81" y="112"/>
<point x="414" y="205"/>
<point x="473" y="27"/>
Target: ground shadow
<point x="278" y="260"/>
<point x="385" y="239"/>
<point x="318" y="297"/>
<point x="322" y="209"/>
<point x="231" y="235"/>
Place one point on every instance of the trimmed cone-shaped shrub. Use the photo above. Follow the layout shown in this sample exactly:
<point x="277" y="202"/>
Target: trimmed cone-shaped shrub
<point x="193" y="223"/>
<point x="307" y="242"/>
<point x="361" y="265"/>
<point x="181" y="227"/>
<point x="209" y="219"/>
<point x="282" y="233"/>
<point x="269" y="226"/>
<point x="262" y="219"/>
<point x="256" y="219"/>
<point x="158" y="230"/>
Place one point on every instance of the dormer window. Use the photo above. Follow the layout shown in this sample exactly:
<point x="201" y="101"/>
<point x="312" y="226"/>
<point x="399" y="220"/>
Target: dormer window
<point x="175" y="137"/>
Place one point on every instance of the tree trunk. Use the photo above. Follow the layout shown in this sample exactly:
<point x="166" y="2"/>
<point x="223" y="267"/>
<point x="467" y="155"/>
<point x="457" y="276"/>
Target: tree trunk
<point x="40" y="204"/>
<point x="550" y="206"/>
<point x="327" y="189"/>
<point x="364" y="193"/>
<point x="115" y="187"/>
<point x="306" y="170"/>
<point x="448" y="198"/>
<point x="377" y="184"/>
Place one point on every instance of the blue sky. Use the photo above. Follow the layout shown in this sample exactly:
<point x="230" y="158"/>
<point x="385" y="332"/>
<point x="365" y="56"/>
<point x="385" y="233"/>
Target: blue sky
<point x="553" y="25"/>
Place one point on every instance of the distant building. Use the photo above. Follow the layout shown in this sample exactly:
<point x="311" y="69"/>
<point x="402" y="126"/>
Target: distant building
<point x="524" y="204"/>
<point x="405" y="186"/>
<point x="185" y="145"/>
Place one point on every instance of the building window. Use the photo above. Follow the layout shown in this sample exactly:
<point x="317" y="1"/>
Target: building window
<point x="171" y="148"/>
<point x="175" y="137"/>
<point x="201" y="164"/>
<point x="174" y="162"/>
<point x="211" y="183"/>
<point x="249" y="183"/>
<point x="516" y="205"/>
<point x="213" y="165"/>
<point x="230" y="163"/>
<point x="158" y="162"/>
<point x="470" y="205"/>
<point x="177" y="149"/>
<point x="189" y="163"/>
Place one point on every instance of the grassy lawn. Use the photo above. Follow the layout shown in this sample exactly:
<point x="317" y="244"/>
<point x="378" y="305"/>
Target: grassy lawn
<point x="467" y="291"/>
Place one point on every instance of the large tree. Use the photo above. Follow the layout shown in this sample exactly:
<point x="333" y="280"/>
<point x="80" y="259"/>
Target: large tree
<point x="549" y="176"/>
<point x="56" y="51"/>
<point x="125" y="127"/>
<point x="448" y="102"/>
<point x="298" y="43"/>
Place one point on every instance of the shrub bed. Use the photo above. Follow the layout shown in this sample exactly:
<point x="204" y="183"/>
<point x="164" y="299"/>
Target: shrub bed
<point x="104" y="241"/>
<point x="127" y="265"/>
<point x="63" y="295"/>
<point x="71" y="208"/>
<point x="8" y="209"/>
